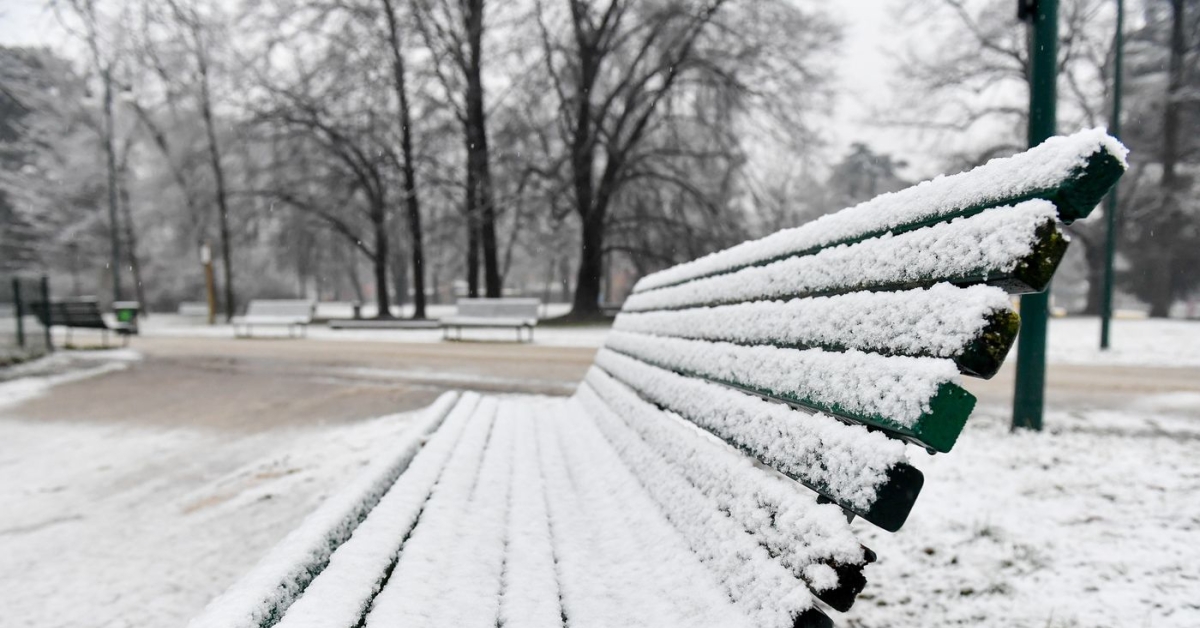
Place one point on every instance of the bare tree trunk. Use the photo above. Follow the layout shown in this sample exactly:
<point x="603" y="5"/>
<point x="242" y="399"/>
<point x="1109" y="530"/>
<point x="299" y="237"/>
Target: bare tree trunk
<point x="380" y="260"/>
<point x="477" y="148"/>
<point x="135" y="264"/>
<point x="1162" y="271"/>
<point x="214" y="154"/>
<point x="110" y="154"/>
<point x="411" y="201"/>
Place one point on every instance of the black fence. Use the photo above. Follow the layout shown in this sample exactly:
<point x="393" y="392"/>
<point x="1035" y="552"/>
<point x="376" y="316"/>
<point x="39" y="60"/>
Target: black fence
<point x="22" y="334"/>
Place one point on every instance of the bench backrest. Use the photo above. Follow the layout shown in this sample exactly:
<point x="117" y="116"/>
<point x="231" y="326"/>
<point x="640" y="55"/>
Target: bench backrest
<point x="499" y="308"/>
<point x="298" y="309"/>
<point x="81" y="312"/>
<point x="193" y="308"/>
<point x="862" y="320"/>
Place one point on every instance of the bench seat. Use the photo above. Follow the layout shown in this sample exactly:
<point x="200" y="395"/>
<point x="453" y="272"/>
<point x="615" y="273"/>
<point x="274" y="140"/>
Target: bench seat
<point x="745" y="408"/>
<point x="289" y="313"/>
<point x="519" y="314"/>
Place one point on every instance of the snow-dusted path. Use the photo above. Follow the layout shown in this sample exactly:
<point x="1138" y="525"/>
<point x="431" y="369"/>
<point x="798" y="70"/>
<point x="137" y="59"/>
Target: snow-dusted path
<point x="140" y="517"/>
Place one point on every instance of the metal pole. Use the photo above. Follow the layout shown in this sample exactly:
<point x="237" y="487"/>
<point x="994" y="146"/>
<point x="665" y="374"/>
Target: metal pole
<point x="1110" y="205"/>
<point x="19" y="312"/>
<point x="1029" y="398"/>
<point x="46" y="311"/>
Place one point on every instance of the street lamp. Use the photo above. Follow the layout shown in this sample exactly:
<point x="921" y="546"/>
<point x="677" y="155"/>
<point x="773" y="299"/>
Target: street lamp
<point x="1029" y="396"/>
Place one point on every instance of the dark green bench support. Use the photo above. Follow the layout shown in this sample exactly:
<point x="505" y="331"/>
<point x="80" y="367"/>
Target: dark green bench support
<point x="744" y="409"/>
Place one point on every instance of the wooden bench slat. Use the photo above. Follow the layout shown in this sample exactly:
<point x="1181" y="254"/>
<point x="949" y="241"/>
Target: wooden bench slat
<point x="1074" y="172"/>
<point x="914" y="398"/>
<point x="340" y="595"/>
<point x="864" y="473"/>
<point x="263" y="595"/>
<point x="531" y="589"/>
<point x="813" y="541"/>
<point x="1015" y="248"/>
<point x="475" y="580"/>
<point x="658" y="571"/>
<point x="974" y="327"/>
<point x="418" y="588"/>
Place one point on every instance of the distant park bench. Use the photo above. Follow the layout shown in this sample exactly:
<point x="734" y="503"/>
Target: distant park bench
<point x="290" y="313"/>
<point x="193" y="309"/>
<point x="81" y="313"/>
<point x="745" y="406"/>
<point x="516" y="314"/>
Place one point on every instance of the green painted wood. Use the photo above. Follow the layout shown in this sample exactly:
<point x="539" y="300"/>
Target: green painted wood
<point x="1075" y="197"/>
<point x="936" y="430"/>
<point x="1032" y="274"/>
<point x="895" y="497"/>
<point x="980" y="357"/>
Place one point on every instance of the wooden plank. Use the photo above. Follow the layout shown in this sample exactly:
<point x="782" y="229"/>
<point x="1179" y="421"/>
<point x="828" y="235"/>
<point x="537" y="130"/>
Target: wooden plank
<point x="1017" y="249"/>
<point x="1073" y="172"/>
<point x="809" y="449"/>
<point x="974" y="327"/>
<point x="786" y="522"/>
<point x="888" y="394"/>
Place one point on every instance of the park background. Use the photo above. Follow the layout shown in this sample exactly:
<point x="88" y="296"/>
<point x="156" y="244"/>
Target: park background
<point x="149" y="479"/>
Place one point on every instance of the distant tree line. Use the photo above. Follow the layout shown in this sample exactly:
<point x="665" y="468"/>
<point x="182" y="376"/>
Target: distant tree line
<point x="405" y="149"/>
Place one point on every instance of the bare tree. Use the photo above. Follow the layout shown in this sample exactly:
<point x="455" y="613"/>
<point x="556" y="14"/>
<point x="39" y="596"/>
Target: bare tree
<point x="454" y="30"/>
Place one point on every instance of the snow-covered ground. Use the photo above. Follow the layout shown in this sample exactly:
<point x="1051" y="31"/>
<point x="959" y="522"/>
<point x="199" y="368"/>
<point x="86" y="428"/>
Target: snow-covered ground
<point x="1136" y="342"/>
<point x="1095" y="522"/>
<point x="127" y="525"/>
<point x="1072" y="340"/>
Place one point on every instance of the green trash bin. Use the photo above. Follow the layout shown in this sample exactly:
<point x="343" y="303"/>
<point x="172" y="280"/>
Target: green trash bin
<point x="127" y="315"/>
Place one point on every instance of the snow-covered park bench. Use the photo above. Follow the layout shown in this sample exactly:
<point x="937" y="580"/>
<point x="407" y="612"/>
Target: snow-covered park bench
<point x="290" y="313"/>
<point x="80" y="313"/>
<point x="744" y="409"/>
<point x="515" y="314"/>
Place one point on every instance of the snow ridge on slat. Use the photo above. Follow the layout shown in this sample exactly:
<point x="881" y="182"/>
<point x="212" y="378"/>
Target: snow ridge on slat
<point x="845" y="462"/>
<point x="622" y="563"/>
<point x="340" y="595"/>
<point x="478" y="562"/>
<point x="982" y="248"/>
<point x="942" y="321"/>
<point x="856" y="384"/>
<point x="530" y="598"/>
<point x="262" y="596"/>
<point x="418" y="590"/>
<point x="1041" y="172"/>
<point x="804" y="536"/>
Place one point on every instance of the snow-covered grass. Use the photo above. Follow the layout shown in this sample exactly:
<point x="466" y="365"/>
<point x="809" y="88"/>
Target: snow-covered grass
<point x="1139" y="342"/>
<point x="1095" y="522"/>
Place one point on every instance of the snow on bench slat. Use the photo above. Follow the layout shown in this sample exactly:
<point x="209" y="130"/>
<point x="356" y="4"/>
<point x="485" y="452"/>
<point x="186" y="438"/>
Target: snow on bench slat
<point x="263" y="594"/>
<point x="760" y="587"/>
<point x="1033" y="173"/>
<point x="846" y="462"/>
<point x="784" y="517"/>
<point x="707" y="504"/>
<point x="648" y="576"/>
<point x="340" y="595"/>
<point x="858" y="384"/>
<point x="420" y="589"/>
<point x="477" y="562"/>
<point x="981" y="247"/>
<point x="530" y="598"/>
<point x="941" y="321"/>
